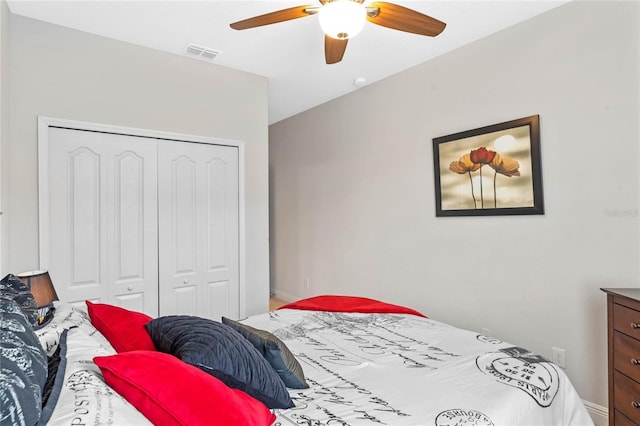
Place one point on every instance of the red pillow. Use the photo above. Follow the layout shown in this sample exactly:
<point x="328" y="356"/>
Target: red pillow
<point x="124" y="329"/>
<point x="171" y="392"/>
<point x="333" y="303"/>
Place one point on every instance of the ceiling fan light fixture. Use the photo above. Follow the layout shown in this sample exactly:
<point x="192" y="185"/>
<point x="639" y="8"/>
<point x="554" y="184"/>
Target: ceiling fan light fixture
<point x="342" y="19"/>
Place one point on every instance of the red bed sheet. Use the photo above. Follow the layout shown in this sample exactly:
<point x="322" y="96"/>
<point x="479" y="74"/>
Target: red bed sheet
<point x="335" y="303"/>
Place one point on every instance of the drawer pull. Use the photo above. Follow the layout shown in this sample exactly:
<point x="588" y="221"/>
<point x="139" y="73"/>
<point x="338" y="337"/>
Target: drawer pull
<point x="635" y="325"/>
<point x="635" y="404"/>
<point x="635" y="361"/>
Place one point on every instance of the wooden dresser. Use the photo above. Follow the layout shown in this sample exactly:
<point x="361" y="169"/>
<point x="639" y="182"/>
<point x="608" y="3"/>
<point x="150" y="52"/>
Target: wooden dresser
<point x="623" y="316"/>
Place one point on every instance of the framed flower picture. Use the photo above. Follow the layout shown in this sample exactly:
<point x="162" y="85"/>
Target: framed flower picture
<point x="492" y="170"/>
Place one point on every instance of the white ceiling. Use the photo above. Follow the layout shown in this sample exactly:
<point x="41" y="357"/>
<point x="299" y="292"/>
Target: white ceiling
<point x="289" y="54"/>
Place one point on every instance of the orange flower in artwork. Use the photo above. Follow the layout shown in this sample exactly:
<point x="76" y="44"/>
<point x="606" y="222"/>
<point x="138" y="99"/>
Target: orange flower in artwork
<point x="464" y="165"/>
<point x="474" y="160"/>
<point x="505" y="166"/>
<point x="482" y="155"/>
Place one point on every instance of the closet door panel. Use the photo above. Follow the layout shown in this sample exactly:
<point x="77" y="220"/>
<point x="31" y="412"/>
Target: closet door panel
<point x="132" y="302"/>
<point x="221" y="245"/>
<point x="178" y="230"/>
<point x="78" y="268"/>
<point x="217" y="238"/>
<point x="103" y="218"/>
<point x="129" y="217"/>
<point x="217" y="298"/>
<point x="185" y="300"/>
<point x="184" y="216"/>
<point x="83" y="217"/>
<point x="198" y="228"/>
<point x="133" y="184"/>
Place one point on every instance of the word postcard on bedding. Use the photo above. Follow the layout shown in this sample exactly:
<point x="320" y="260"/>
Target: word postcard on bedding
<point x="403" y="369"/>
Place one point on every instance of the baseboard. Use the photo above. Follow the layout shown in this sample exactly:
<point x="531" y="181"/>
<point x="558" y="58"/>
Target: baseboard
<point x="599" y="414"/>
<point x="284" y="296"/>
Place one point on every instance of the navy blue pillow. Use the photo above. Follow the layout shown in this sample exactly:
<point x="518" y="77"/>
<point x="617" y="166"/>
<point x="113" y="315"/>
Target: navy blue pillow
<point x="24" y="367"/>
<point x="12" y="288"/>
<point x="222" y="352"/>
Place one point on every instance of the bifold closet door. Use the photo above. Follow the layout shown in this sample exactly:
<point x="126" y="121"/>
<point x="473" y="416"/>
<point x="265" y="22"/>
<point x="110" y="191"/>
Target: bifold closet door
<point x="198" y="229"/>
<point x="103" y="218"/>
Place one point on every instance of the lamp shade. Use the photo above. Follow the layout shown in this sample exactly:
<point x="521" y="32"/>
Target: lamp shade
<point x="40" y="285"/>
<point x="342" y="19"/>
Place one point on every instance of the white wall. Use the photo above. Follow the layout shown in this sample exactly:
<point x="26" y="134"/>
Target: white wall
<point x="4" y="132"/>
<point x="352" y="188"/>
<point x="63" y="73"/>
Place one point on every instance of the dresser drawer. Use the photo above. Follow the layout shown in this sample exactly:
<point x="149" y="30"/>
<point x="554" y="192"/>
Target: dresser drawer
<point x="626" y="396"/>
<point x="626" y="320"/>
<point x="626" y="355"/>
<point x="622" y="420"/>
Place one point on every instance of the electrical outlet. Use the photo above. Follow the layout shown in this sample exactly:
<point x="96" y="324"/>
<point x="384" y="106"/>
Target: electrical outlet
<point x="486" y="332"/>
<point x="558" y="357"/>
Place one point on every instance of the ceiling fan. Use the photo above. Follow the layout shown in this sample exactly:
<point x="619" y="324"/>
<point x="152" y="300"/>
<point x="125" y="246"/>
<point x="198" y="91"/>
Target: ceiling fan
<point x="343" y="19"/>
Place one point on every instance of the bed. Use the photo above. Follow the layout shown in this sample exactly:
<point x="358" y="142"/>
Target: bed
<point x="327" y="360"/>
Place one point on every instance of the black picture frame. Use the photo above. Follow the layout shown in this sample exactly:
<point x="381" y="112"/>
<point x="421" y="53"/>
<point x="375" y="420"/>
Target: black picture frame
<point x="490" y="171"/>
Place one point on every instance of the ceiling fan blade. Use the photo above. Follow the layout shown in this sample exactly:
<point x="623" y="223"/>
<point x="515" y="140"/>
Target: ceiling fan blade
<point x="334" y="49"/>
<point x="275" y="17"/>
<point x="400" y="18"/>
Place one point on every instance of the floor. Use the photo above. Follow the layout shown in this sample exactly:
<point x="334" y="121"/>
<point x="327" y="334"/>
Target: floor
<point x="275" y="303"/>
